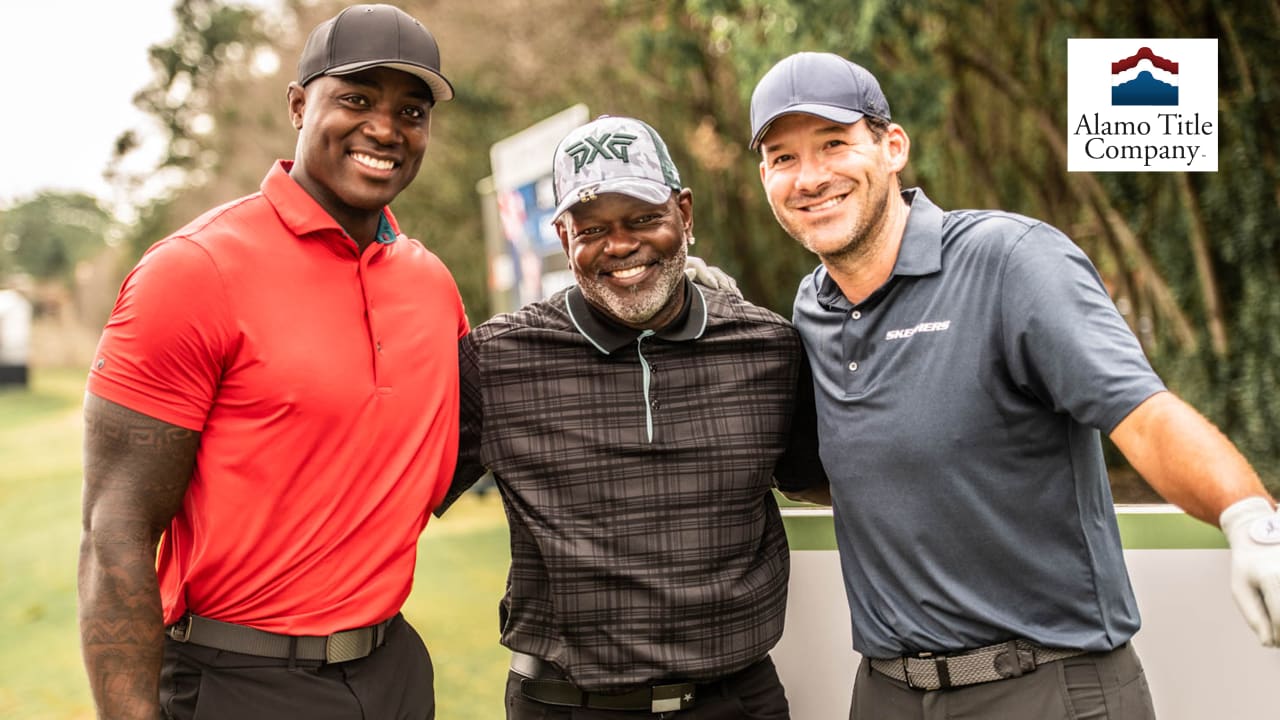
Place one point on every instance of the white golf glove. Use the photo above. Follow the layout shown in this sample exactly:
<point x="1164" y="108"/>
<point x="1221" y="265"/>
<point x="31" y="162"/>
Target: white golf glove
<point x="1252" y="528"/>
<point x="710" y="276"/>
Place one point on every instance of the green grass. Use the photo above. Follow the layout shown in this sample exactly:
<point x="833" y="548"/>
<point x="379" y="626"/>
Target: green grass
<point x="461" y="571"/>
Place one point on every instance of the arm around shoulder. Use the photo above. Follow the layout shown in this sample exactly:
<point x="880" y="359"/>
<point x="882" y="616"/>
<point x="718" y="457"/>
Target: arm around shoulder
<point x="136" y="472"/>
<point x="799" y="474"/>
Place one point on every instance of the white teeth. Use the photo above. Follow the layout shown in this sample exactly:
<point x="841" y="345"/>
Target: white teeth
<point x="628" y="273"/>
<point x="826" y="204"/>
<point x="372" y="162"/>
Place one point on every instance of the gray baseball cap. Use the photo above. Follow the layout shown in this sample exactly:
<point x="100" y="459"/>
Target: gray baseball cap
<point x="821" y="84"/>
<point x="367" y="36"/>
<point x="612" y="154"/>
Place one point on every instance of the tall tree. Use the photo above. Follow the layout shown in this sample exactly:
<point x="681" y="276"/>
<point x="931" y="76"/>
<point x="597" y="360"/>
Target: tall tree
<point x="49" y="234"/>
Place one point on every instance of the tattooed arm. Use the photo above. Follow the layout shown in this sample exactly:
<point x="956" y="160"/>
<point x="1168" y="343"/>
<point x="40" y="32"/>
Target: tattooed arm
<point x="136" y="470"/>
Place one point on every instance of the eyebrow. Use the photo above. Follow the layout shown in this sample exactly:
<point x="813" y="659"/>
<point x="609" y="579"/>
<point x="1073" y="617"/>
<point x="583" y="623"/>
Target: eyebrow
<point x="367" y="79"/>
<point x="832" y="129"/>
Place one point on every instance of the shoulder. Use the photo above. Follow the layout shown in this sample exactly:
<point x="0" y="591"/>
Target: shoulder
<point x="1001" y="238"/>
<point x="232" y="220"/>
<point x="967" y="228"/>
<point x="545" y="315"/>
<point x="726" y="312"/>
<point x="417" y="259"/>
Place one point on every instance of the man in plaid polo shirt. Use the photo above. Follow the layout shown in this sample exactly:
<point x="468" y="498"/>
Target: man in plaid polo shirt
<point x="635" y="424"/>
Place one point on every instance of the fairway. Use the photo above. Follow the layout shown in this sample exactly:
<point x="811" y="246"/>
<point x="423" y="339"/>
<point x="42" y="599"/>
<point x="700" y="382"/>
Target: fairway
<point x="462" y="564"/>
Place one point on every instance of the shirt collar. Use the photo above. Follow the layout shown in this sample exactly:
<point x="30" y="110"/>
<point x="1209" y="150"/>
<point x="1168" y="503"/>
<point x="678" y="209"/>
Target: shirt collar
<point x="303" y="215"/>
<point x="608" y="335"/>
<point x="919" y="254"/>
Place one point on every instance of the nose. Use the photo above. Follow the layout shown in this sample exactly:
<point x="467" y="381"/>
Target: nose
<point x="813" y="175"/>
<point x="620" y="243"/>
<point x="380" y="126"/>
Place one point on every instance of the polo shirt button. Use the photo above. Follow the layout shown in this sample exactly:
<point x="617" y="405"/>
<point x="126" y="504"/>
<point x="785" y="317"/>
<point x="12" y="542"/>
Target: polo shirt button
<point x="855" y="315"/>
<point x="853" y="367"/>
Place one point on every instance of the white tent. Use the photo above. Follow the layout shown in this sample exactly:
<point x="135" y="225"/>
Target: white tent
<point x="15" y="337"/>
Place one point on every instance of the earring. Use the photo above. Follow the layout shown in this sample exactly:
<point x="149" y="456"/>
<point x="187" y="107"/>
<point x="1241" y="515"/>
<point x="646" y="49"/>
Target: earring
<point x="691" y="239"/>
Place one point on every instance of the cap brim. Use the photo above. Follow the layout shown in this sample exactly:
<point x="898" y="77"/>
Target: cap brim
<point x="844" y="116"/>
<point x="649" y="191"/>
<point x="441" y="89"/>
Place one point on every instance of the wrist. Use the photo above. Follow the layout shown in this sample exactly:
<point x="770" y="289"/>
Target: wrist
<point x="1253" y="517"/>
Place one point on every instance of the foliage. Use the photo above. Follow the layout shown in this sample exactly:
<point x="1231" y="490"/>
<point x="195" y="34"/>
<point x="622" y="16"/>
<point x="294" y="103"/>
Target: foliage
<point x="980" y="86"/>
<point x="46" y="236"/>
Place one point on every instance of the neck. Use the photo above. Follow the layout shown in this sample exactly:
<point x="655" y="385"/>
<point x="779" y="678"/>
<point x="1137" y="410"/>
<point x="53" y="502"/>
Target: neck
<point x="360" y="225"/>
<point x="864" y="269"/>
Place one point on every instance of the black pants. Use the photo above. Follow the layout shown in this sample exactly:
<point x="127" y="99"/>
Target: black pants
<point x="754" y="693"/>
<point x="395" y="682"/>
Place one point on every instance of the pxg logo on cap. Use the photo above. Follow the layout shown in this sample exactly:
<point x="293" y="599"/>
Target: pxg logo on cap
<point x="1142" y="105"/>
<point x="612" y="154"/>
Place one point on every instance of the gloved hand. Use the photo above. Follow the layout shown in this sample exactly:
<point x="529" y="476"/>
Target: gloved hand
<point x="706" y="275"/>
<point x="1252" y="528"/>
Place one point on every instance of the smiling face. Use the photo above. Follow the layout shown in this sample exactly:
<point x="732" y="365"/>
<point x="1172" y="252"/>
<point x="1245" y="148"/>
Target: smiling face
<point x="830" y="184"/>
<point x="361" y="138"/>
<point x="629" y="255"/>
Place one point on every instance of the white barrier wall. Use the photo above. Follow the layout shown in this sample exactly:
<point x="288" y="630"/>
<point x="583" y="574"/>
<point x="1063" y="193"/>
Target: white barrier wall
<point x="1202" y="661"/>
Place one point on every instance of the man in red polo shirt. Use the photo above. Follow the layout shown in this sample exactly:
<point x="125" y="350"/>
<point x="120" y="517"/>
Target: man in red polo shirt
<point x="274" y="403"/>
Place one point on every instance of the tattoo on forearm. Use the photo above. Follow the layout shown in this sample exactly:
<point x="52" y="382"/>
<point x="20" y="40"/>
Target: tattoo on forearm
<point x="136" y="472"/>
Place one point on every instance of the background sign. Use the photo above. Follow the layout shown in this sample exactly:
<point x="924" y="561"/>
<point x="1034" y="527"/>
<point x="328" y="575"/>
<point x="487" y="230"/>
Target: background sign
<point x="528" y="264"/>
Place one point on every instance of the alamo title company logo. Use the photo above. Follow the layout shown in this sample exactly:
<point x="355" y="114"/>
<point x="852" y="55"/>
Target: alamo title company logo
<point x="1137" y="105"/>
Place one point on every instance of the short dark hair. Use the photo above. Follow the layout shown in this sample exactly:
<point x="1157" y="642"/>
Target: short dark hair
<point x="877" y="126"/>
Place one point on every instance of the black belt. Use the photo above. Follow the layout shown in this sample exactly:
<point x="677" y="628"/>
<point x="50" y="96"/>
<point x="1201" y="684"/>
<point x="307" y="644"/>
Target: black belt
<point x="929" y="671"/>
<point x="654" y="699"/>
<point x="338" y="647"/>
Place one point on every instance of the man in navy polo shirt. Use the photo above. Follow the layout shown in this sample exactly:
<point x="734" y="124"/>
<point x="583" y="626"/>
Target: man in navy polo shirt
<point x="965" y="363"/>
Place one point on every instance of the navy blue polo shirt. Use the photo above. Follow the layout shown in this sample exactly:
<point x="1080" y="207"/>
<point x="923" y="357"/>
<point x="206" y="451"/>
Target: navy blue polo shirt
<point x="959" y="410"/>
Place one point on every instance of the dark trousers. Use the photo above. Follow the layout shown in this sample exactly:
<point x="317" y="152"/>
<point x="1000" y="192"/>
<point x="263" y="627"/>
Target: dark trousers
<point x="754" y="693"/>
<point x="394" y="682"/>
<point x="1095" y="686"/>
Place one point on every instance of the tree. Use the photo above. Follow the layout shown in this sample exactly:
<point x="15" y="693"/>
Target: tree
<point x="980" y="85"/>
<point x="48" y="235"/>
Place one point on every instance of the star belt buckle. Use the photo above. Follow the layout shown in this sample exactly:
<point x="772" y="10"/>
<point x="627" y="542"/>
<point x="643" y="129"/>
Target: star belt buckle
<point x="669" y="698"/>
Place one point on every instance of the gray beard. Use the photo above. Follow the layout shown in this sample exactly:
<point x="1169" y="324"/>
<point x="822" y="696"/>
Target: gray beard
<point x="639" y="306"/>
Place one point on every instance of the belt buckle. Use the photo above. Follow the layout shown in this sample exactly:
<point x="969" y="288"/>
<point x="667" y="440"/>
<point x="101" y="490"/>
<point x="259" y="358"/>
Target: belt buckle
<point x="347" y="645"/>
<point x="670" y="698"/>
<point x="940" y="667"/>
<point x="1013" y="661"/>
<point x="181" y="630"/>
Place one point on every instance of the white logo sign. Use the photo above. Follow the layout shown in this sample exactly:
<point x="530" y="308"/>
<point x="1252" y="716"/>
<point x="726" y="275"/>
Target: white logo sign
<point x="1142" y="105"/>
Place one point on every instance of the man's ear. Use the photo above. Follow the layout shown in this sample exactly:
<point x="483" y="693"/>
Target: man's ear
<point x="297" y="97"/>
<point x="684" y="201"/>
<point x="563" y="232"/>
<point x="897" y="146"/>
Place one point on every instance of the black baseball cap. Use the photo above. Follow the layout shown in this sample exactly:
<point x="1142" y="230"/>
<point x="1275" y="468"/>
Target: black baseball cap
<point x="821" y="84"/>
<point x="368" y="36"/>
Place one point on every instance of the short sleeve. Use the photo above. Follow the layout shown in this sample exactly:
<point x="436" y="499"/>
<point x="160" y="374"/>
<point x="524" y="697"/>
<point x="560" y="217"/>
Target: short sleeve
<point x="166" y="343"/>
<point x="1064" y="341"/>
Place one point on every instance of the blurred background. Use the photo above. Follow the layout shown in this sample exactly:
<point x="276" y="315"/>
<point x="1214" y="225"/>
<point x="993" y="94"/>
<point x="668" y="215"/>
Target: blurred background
<point x="123" y="121"/>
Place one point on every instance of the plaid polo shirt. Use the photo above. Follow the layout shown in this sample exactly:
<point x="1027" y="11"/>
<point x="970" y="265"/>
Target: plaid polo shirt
<point x="636" y="470"/>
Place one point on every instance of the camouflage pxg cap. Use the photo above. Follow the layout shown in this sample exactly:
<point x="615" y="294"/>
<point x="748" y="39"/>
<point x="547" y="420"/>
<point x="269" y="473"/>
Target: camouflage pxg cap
<point x="612" y="155"/>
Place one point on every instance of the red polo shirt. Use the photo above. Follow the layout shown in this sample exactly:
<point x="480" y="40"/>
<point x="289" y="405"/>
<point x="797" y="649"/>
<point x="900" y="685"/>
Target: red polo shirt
<point x="324" y="383"/>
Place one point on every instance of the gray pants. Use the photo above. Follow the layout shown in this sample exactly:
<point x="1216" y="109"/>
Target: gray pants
<point x="1096" y="686"/>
